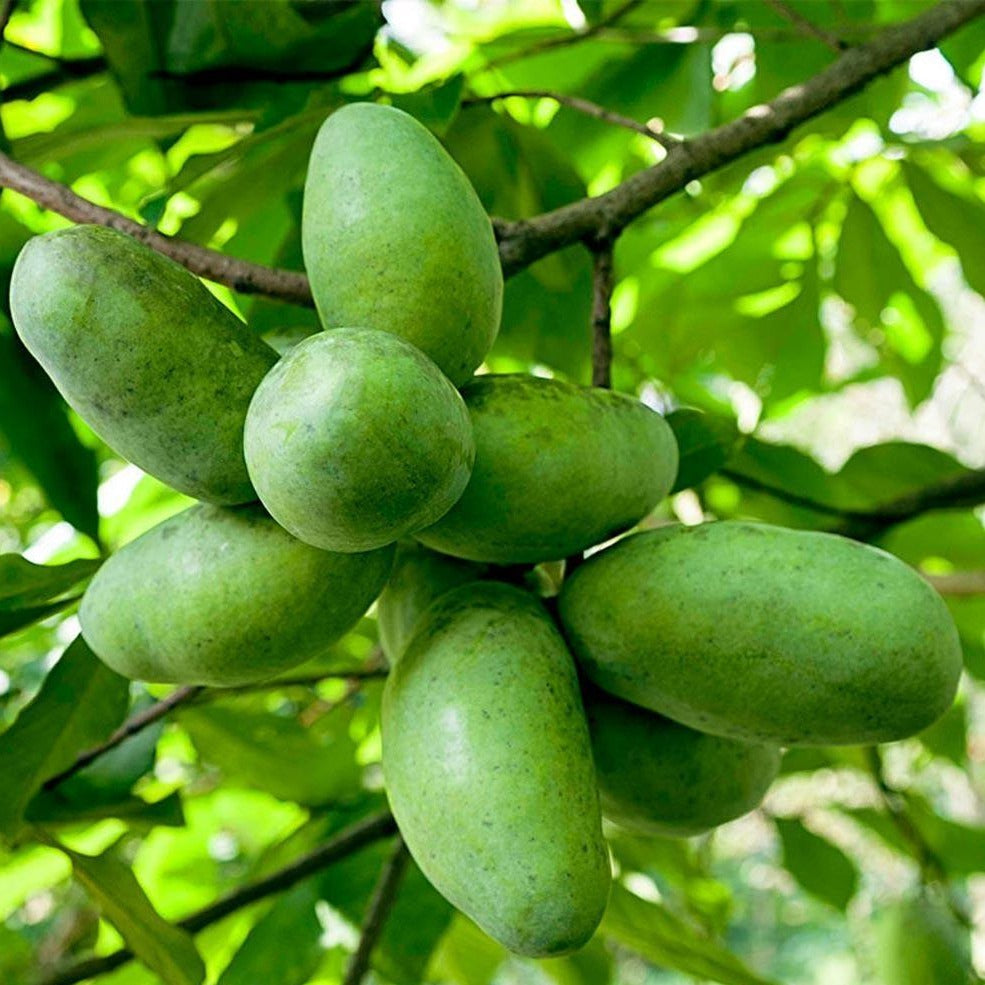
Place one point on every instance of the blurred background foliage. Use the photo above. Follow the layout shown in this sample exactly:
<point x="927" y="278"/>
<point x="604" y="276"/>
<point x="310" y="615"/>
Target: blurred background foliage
<point x="813" y="316"/>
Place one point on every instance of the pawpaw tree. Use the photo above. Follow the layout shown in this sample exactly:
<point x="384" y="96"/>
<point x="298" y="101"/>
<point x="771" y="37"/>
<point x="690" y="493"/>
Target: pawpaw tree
<point x="492" y="493"/>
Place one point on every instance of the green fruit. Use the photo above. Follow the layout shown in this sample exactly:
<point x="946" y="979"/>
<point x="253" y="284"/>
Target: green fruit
<point x="656" y="777"/>
<point x="419" y="576"/>
<point x="144" y="353"/>
<point x="489" y="771"/>
<point x="760" y="633"/>
<point x="558" y="468"/>
<point x="355" y="438"/>
<point x="395" y="238"/>
<point x="223" y="597"/>
<point x="918" y="942"/>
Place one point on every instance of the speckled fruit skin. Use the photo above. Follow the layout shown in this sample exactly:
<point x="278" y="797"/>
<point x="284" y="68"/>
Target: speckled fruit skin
<point x="138" y="346"/>
<point x="418" y="577"/>
<point x="657" y="777"/>
<point x="394" y="237"/>
<point x="766" y="634"/>
<point x="355" y="439"/>
<point x="489" y="771"/>
<point x="222" y="597"/>
<point x="558" y="468"/>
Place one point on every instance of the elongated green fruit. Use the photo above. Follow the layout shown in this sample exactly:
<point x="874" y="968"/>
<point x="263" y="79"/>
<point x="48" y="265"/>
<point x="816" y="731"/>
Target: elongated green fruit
<point x="355" y="439"/>
<point x="223" y="597"/>
<point x="418" y="578"/>
<point x="760" y="633"/>
<point x="395" y="238"/>
<point x="558" y="468"/>
<point x="657" y="777"/>
<point x="145" y="354"/>
<point x="489" y="771"/>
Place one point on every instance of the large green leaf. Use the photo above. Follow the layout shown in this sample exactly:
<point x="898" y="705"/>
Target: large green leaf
<point x="80" y="703"/>
<point x="705" y="442"/>
<point x="958" y="220"/>
<point x="657" y="935"/>
<point x="822" y="868"/>
<point x="168" y="951"/>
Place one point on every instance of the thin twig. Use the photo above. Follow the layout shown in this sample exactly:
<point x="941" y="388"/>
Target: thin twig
<point x="194" y="693"/>
<point x="807" y="27"/>
<point x="384" y="896"/>
<point x="130" y="727"/>
<point x="346" y="842"/>
<point x="240" y="275"/>
<point x="585" y="106"/>
<point x="958" y="583"/>
<point x="552" y="44"/>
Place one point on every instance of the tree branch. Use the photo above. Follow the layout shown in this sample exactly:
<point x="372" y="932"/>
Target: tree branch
<point x="524" y="242"/>
<point x="384" y="896"/>
<point x="580" y="105"/>
<point x="347" y="841"/>
<point x="240" y="275"/>
<point x="185" y="695"/>
<point x="958" y="583"/>
<point x="602" y="286"/>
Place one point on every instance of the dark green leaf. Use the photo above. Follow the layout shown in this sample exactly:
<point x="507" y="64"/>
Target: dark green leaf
<point x="79" y="704"/>
<point x="283" y="946"/>
<point x="168" y="951"/>
<point x="24" y="584"/>
<point x="705" y="442"/>
<point x="57" y="807"/>
<point x="823" y="869"/>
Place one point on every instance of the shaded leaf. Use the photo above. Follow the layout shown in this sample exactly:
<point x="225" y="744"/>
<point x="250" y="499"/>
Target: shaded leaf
<point x="705" y="442"/>
<point x="822" y="868"/>
<point x="79" y="704"/>
<point x="29" y="592"/>
<point x="657" y="935"/>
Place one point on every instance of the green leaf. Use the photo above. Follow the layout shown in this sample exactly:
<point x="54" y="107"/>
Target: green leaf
<point x="948" y="737"/>
<point x="42" y="437"/>
<point x="657" y="935"/>
<point x="705" y="442"/>
<point x="308" y="764"/>
<point x="79" y="704"/>
<point x="467" y="956"/>
<point x="51" y="807"/>
<point x="955" y="219"/>
<point x="890" y="307"/>
<point x="960" y="847"/>
<point x="165" y="949"/>
<point x="823" y="869"/>
<point x="283" y="946"/>
<point x="29" y="592"/>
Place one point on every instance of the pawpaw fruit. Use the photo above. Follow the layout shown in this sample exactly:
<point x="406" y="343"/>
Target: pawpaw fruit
<point x="558" y="468"/>
<point x="419" y="577"/>
<point x="395" y="238"/>
<point x="657" y="777"/>
<point x="489" y="771"/>
<point x="223" y="596"/>
<point x="144" y="353"/>
<point x="765" y="634"/>
<point x="355" y="438"/>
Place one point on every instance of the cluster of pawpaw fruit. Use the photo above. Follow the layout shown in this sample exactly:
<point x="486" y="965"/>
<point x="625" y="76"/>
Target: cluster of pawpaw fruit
<point x="656" y="688"/>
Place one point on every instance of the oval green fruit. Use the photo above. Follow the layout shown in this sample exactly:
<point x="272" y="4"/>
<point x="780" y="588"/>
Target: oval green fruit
<point x="395" y="238"/>
<point x="223" y="597"/>
<point x="657" y="777"/>
<point x="766" y="634"/>
<point x="918" y="942"/>
<point x="145" y="354"/>
<point x="558" y="468"/>
<point x="489" y="771"/>
<point x="418" y="577"/>
<point x="355" y="438"/>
